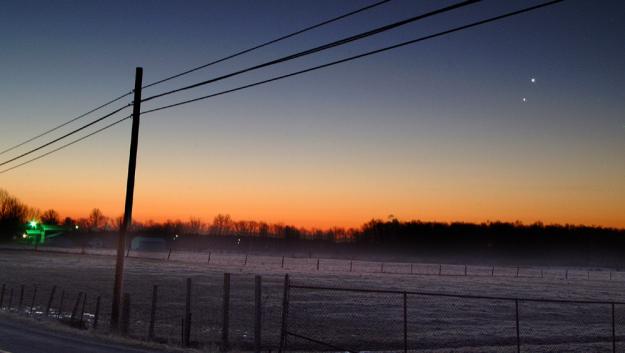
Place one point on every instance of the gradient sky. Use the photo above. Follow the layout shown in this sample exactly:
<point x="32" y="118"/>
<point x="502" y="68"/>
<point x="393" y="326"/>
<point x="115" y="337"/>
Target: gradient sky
<point x="434" y="131"/>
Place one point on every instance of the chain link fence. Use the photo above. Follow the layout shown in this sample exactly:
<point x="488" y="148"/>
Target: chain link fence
<point x="357" y="320"/>
<point x="244" y="316"/>
<point x="237" y="312"/>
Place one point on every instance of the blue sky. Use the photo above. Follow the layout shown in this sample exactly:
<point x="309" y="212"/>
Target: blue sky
<point x="438" y="130"/>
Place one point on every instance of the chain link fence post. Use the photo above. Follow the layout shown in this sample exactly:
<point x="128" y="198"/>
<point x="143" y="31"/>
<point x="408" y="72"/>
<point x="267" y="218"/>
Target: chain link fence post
<point x="257" y="313"/>
<point x="518" y="336"/>
<point x="187" y="316"/>
<point x="153" y="312"/>
<point x="613" y="331"/>
<point x="405" y="322"/>
<point x="225" y="344"/>
<point x="285" y="313"/>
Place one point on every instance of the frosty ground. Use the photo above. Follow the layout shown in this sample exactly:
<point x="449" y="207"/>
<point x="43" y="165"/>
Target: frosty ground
<point x="355" y="321"/>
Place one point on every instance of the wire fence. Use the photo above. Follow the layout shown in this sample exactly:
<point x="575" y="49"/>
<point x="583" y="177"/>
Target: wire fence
<point x="242" y="312"/>
<point x="228" y="260"/>
<point x="247" y="312"/>
<point x="356" y="320"/>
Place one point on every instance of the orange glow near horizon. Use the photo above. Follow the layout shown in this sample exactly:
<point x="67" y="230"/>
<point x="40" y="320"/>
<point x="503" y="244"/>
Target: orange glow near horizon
<point x="309" y="200"/>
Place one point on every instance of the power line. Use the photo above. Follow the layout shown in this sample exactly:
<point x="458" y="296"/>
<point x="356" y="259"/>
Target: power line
<point x="231" y="56"/>
<point x="65" y="136"/>
<point x="321" y="47"/>
<point x="66" y="145"/>
<point x="456" y="29"/>
<point x="273" y="41"/>
<point x="439" y="34"/>
<point x="65" y="123"/>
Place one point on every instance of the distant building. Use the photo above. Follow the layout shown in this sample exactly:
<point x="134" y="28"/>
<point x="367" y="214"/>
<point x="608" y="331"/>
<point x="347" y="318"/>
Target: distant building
<point x="141" y="243"/>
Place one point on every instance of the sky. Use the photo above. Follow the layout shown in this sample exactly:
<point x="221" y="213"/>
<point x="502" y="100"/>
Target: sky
<point x="449" y="129"/>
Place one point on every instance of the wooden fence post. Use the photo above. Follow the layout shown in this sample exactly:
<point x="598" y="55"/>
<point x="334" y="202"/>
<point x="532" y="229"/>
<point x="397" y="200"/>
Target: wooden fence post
<point x="187" y="316"/>
<point x="82" y="311"/>
<point x="10" y="299"/>
<point x="209" y="257"/>
<point x="517" y="272"/>
<point x="317" y="264"/>
<point x="153" y="312"/>
<point x="125" y="319"/>
<point x="225" y="344"/>
<point x="21" y="302"/>
<point x="96" y="315"/>
<point x="76" y="304"/>
<point x="492" y="271"/>
<point x="245" y="263"/>
<point x="258" y="313"/>
<point x="50" y="300"/>
<point x="2" y="295"/>
<point x="32" y="303"/>
<point x="60" y="313"/>
<point x="169" y="254"/>
<point x="465" y="270"/>
<point x="440" y="269"/>
<point x="282" y="266"/>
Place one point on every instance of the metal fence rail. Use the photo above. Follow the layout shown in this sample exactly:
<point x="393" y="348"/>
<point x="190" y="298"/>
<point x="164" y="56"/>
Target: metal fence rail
<point x="320" y="318"/>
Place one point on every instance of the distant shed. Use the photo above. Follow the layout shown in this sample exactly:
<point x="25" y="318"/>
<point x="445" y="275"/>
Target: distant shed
<point x="148" y="244"/>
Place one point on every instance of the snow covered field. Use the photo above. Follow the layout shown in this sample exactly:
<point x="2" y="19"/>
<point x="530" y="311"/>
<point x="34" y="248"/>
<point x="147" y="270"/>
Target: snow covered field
<point x="355" y="321"/>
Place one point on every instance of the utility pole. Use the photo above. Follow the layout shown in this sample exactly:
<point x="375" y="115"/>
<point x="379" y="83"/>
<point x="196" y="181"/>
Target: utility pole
<point x="130" y="189"/>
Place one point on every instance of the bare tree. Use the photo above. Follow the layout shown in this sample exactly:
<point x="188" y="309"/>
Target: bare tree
<point x="246" y="228"/>
<point x="69" y="222"/>
<point x="83" y="223"/>
<point x="263" y="229"/>
<point x="13" y="214"/>
<point x="50" y="217"/>
<point x="194" y="226"/>
<point x="117" y="223"/>
<point x="97" y="220"/>
<point x="222" y="224"/>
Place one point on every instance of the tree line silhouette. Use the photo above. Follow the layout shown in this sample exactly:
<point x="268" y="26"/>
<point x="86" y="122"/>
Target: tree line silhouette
<point x="388" y="234"/>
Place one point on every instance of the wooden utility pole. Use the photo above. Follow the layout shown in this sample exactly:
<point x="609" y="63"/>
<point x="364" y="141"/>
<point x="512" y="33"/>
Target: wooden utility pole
<point x="130" y="189"/>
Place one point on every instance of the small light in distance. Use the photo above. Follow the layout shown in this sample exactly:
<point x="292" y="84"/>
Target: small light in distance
<point x="33" y="224"/>
<point x="24" y="236"/>
<point x="524" y="100"/>
<point x="533" y="80"/>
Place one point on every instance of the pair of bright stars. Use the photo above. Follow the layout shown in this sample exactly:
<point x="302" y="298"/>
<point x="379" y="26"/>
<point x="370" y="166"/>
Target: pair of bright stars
<point x="532" y="80"/>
